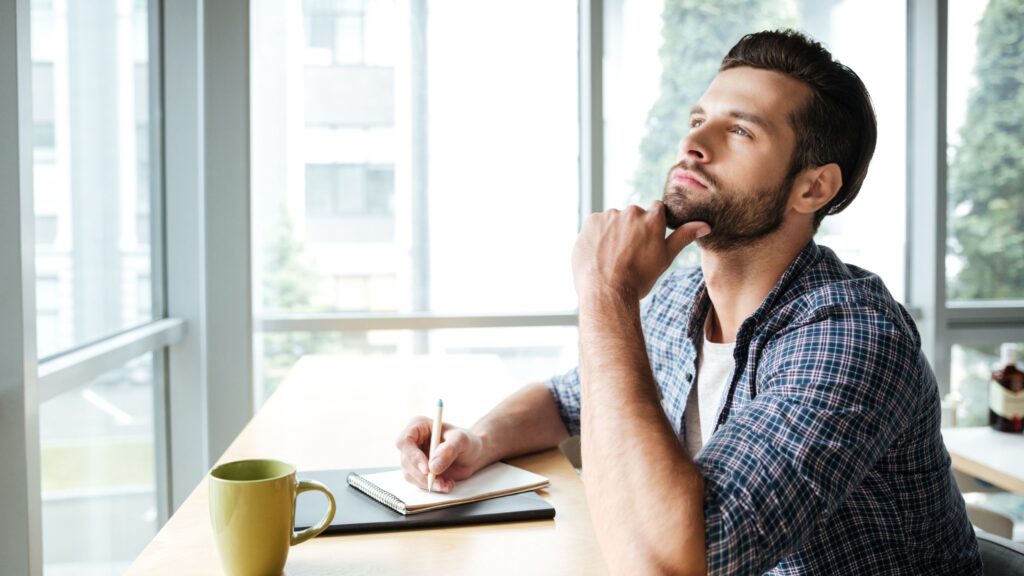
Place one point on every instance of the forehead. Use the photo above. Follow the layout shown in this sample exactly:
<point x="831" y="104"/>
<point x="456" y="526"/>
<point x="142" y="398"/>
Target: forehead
<point x="770" y="95"/>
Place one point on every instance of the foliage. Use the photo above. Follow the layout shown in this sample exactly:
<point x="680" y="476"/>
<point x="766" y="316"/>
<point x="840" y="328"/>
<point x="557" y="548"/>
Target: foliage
<point x="287" y="287"/>
<point x="287" y="281"/>
<point x="986" y="178"/>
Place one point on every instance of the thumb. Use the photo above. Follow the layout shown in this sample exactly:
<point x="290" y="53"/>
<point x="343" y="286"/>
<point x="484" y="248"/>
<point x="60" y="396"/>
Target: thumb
<point x="447" y="452"/>
<point x="685" y="234"/>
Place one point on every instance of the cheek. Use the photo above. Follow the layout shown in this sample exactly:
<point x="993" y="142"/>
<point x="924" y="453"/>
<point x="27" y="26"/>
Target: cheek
<point x="746" y="169"/>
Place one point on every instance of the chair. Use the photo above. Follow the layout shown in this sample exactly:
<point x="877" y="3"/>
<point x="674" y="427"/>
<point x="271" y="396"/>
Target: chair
<point x="1000" y="556"/>
<point x="990" y="521"/>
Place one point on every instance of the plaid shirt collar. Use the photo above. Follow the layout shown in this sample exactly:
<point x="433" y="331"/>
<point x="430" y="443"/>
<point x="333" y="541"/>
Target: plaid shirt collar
<point x="702" y="303"/>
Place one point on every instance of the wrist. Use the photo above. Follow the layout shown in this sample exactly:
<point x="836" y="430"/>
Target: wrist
<point x="593" y="298"/>
<point x="488" y="452"/>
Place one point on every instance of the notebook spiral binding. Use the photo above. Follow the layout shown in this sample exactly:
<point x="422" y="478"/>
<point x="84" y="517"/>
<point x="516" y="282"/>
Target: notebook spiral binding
<point x="380" y="495"/>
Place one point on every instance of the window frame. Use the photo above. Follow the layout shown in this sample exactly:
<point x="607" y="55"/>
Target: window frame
<point x="202" y="290"/>
<point x="942" y="323"/>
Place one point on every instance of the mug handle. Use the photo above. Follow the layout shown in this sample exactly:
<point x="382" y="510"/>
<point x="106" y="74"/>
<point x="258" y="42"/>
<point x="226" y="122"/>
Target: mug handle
<point x="307" y="486"/>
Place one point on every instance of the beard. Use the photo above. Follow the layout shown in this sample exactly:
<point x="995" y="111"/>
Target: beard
<point x="737" y="218"/>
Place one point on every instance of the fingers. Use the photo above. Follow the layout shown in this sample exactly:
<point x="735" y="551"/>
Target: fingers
<point x="415" y="440"/>
<point x="453" y="445"/>
<point x="414" y="461"/>
<point x="684" y="235"/>
<point x="680" y="237"/>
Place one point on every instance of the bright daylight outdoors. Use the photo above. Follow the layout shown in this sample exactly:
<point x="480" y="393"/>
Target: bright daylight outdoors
<point x="422" y="157"/>
<point x="91" y="150"/>
<point x="448" y="182"/>
<point x="387" y="179"/>
<point x="985" y="249"/>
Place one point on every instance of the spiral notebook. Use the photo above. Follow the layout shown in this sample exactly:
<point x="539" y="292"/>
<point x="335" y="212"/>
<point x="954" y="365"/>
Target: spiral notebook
<point x="359" y="513"/>
<point x="392" y="490"/>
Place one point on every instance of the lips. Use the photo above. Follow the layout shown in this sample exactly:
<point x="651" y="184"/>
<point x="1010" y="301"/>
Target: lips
<point x="687" y="178"/>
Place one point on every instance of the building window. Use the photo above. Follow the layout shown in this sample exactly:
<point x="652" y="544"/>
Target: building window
<point x="334" y="31"/>
<point x="334" y="190"/>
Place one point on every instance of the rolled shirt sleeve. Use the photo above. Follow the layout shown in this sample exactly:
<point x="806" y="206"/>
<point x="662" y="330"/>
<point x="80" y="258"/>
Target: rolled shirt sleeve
<point x="565" y="389"/>
<point x="833" y="394"/>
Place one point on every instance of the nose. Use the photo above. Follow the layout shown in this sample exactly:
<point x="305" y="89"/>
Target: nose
<point x="693" y="148"/>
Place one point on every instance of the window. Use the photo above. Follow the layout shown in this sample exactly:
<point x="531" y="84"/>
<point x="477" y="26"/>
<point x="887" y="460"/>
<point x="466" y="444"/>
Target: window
<point x="98" y="475"/>
<point x="349" y="190"/>
<point x="334" y="31"/>
<point x="437" y="180"/>
<point x="660" y="56"/>
<point x="48" y="325"/>
<point x="99" y="435"/>
<point x="90" y="99"/>
<point x="985" y="258"/>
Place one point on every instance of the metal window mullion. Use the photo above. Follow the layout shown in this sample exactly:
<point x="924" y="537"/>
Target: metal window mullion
<point x="227" y="288"/>
<point x="926" y="177"/>
<point x="184" y="258"/>
<point x="419" y="322"/>
<point x="67" y="371"/>
<point x="591" y="106"/>
<point x="158" y="275"/>
<point x="20" y="500"/>
<point x="984" y="313"/>
<point x="984" y="335"/>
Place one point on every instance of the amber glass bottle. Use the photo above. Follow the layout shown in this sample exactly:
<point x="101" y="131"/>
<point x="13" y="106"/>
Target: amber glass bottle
<point x="1006" y="393"/>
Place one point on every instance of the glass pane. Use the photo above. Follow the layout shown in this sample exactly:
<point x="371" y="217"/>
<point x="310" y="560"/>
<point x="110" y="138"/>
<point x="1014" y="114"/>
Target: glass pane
<point x="529" y="354"/>
<point x="97" y="454"/>
<point x="661" y="55"/>
<point x="971" y="369"/>
<point x="440" y="180"/>
<point x="91" y="167"/>
<point x="985" y="124"/>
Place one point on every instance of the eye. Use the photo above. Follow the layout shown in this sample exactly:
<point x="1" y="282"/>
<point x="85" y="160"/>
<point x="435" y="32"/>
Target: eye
<point x="696" y="122"/>
<point x="741" y="131"/>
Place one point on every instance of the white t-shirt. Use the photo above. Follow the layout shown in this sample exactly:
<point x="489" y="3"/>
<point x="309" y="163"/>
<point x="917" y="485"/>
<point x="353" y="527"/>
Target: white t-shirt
<point x="714" y="367"/>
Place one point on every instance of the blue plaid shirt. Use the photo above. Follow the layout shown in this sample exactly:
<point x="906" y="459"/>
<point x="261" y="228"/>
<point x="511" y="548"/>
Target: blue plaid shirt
<point x="827" y="456"/>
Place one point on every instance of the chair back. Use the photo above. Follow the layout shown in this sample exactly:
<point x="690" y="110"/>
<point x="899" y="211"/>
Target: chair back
<point x="1001" y="557"/>
<point x="990" y="521"/>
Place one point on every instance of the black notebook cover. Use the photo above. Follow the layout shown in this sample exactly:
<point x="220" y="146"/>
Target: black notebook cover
<point x="357" y="512"/>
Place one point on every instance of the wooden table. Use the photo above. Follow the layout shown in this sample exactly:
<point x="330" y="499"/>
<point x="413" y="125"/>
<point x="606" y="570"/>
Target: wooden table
<point x="338" y="412"/>
<point x="981" y="452"/>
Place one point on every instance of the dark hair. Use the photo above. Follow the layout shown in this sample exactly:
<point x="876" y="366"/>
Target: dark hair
<point x="838" y="122"/>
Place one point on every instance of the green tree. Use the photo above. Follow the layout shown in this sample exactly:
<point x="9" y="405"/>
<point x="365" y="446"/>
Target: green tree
<point x="287" y="284"/>
<point x="696" y="35"/>
<point x="986" y="175"/>
<point x="287" y="280"/>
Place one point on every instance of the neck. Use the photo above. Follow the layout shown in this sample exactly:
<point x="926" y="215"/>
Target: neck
<point x="738" y="280"/>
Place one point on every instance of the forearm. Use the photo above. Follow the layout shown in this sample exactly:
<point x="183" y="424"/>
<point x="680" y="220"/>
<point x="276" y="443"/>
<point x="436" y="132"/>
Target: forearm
<point x="646" y="495"/>
<point x="525" y="422"/>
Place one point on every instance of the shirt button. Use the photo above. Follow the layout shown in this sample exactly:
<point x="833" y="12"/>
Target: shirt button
<point x="689" y="377"/>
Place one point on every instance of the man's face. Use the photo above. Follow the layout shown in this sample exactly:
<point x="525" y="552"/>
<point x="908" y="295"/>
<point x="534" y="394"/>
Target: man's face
<point x="733" y="169"/>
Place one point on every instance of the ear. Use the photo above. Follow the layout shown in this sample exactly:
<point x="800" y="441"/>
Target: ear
<point x="816" y="187"/>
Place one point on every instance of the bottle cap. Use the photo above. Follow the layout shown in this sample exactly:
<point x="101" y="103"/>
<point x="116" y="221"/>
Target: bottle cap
<point x="1008" y="354"/>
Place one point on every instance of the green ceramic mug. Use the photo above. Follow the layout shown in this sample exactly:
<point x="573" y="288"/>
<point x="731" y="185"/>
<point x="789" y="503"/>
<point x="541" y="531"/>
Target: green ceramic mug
<point x="252" y="509"/>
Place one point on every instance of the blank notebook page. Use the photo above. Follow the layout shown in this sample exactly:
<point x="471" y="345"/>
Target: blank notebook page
<point x="498" y="479"/>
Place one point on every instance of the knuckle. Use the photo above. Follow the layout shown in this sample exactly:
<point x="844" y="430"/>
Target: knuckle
<point x="457" y="439"/>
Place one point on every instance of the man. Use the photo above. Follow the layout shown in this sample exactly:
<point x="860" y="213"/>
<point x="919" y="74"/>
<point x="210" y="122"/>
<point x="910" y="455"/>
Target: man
<point x="771" y="411"/>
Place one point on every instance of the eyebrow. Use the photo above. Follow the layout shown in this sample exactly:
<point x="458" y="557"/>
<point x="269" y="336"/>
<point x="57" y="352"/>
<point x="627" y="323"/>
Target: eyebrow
<point x="739" y="115"/>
